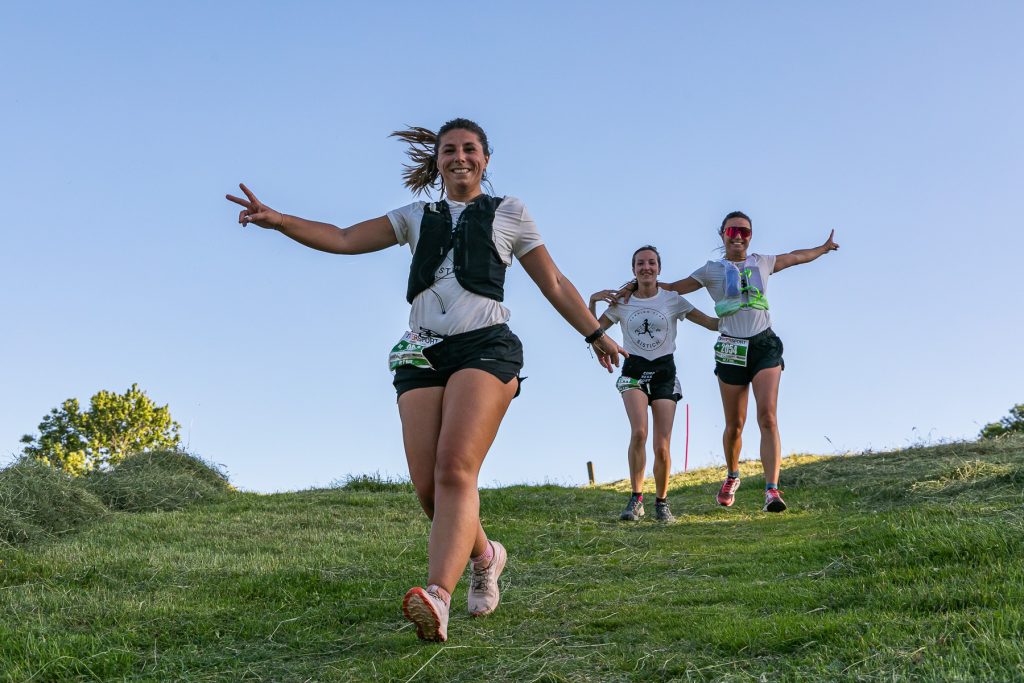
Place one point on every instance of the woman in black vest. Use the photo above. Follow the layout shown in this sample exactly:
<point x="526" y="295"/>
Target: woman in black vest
<point x="457" y="369"/>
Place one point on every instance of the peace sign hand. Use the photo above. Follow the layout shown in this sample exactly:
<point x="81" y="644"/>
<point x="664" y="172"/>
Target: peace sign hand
<point x="256" y="211"/>
<point x="830" y="244"/>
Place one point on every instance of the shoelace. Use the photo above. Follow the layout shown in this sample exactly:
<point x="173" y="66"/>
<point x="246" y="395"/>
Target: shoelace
<point x="478" y="578"/>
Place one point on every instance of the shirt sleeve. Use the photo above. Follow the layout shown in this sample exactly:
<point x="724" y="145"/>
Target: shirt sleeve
<point x="767" y="264"/>
<point x="682" y="307"/>
<point x="701" y="274"/>
<point x="400" y="221"/>
<point x="526" y="237"/>
<point x="613" y="313"/>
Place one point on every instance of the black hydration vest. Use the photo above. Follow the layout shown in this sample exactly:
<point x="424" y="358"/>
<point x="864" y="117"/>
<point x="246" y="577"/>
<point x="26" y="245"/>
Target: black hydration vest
<point x="478" y="267"/>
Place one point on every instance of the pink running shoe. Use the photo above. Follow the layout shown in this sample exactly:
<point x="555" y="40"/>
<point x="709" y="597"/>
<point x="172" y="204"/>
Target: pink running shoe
<point x="428" y="611"/>
<point x="773" y="501"/>
<point x="727" y="495"/>
<point x="483" y="583"/>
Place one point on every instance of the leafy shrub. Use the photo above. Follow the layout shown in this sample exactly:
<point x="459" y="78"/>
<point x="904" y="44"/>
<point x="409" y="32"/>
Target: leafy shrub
<point x="114" y="426"/>
<point x="1011" y="424"/>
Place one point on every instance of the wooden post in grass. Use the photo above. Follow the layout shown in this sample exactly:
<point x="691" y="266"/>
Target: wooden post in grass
<point x="590" y="472"/>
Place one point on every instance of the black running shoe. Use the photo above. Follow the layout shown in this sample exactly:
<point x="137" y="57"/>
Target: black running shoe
<point x="662" y="513"/>
<point x="634" y="510"/>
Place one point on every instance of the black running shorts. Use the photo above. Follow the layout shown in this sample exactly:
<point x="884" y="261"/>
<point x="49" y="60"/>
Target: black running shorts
<point x="656" y="378"/>
<point x="765" y="352"/>
<point x="494" y="349"/>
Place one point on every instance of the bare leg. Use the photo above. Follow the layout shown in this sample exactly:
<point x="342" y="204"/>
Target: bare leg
<point x="734" y="404"/>
<point x="766" y="395"/>
<point x="474" y="404"/>
<point x="664" y="412"/>
<point x="636" y="410"/>
<point x="420" y="410"/>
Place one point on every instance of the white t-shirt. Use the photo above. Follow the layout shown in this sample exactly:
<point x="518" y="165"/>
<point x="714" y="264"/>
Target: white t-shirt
<point x="745" y="322"/>
<point x="649" y="325"/>
<point x="445" y="307"/>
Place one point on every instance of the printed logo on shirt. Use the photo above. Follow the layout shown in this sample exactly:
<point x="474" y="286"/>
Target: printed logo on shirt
<point x="648" y="328"/>
<point x="447" y="268"/>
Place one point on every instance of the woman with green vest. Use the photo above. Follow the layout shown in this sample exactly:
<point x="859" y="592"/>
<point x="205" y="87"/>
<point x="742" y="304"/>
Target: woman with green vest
<point x="747" y="353"/>
<point x="457" y="367"/>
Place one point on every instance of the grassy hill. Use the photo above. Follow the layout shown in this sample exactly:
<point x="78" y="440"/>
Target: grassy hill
<point x="891" y="566"/>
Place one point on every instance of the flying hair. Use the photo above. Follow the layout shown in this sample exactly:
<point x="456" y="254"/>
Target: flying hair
<point x="422" y="173"/>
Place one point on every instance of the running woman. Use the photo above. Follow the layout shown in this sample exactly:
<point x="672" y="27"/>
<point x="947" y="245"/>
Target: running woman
<point x="457" y="368"/>
<point x="648" y="380"/>
<point x="748" y="352"/>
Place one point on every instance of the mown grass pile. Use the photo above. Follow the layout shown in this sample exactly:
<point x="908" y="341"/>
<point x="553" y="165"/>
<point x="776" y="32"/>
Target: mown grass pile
<point x="158" y="480"/>
<point x="888" y="566"/>
<point x="38" y="501"/>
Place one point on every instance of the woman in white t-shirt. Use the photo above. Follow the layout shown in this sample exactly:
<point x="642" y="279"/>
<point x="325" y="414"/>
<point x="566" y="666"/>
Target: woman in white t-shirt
<point x="457" y="369"/>
<point x="748" y="352"/>
<point x="648" y="322"/>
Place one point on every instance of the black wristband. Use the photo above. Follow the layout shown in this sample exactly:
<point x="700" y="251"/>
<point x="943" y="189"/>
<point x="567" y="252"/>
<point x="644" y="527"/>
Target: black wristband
<point x="595" y="336"/>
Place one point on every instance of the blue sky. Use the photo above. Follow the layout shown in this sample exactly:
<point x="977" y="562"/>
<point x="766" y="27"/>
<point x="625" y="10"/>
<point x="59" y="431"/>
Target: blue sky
<point x="124" y="124"/>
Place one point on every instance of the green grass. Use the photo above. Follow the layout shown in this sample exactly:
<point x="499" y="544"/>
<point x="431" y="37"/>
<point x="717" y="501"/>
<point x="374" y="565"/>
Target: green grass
<point x="889" y="566"/>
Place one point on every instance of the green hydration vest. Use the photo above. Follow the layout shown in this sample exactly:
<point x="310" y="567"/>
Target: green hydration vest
<point x="477" y="265"/>
<point x="741" y="290"/>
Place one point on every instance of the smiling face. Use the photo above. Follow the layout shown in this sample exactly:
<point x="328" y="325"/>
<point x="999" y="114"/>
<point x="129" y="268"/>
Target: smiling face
<point x="646" y="266"/>
<point x="462" y="160"/>
<point x="736" y="234"/>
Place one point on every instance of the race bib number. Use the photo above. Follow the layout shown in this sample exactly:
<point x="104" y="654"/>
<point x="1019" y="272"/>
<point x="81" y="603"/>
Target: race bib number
<point x="624" y="384"/>
<point x="409" y="351"/>
<point x="732" y="351"/>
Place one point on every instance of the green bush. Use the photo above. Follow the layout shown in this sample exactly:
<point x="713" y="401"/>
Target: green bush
<point x="158" y="480"/>
<point x="114" y="427"/>
<point x="1011" y="424"/>
<point x="37" y="500"/>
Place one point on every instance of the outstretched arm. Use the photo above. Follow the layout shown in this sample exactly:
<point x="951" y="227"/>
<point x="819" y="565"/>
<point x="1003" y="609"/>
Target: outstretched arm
<point x="563" y="295"/>
<point x="372" y="235"/>
<point x="703" y="319"/>
<point x="795" y="258"/>
<point x="684" y="286"/>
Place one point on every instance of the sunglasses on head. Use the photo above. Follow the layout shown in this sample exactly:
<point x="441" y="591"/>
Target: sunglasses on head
<point x="738" y="231"/>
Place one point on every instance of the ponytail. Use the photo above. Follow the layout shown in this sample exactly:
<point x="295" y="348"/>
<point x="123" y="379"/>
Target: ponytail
<point x="422" y="173"/>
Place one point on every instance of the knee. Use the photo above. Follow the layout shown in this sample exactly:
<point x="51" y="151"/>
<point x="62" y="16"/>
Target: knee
<point x="733" y="430"/>
<point x="662" y="453"/>
<point x="638" y="436"/>
<point x="453" y="472"/>
<point x="768" y="422"/>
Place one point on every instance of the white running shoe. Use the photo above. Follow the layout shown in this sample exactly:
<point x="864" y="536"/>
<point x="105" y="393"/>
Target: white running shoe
<point x="483" y="583"/>
<point x="428" y="611"/>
